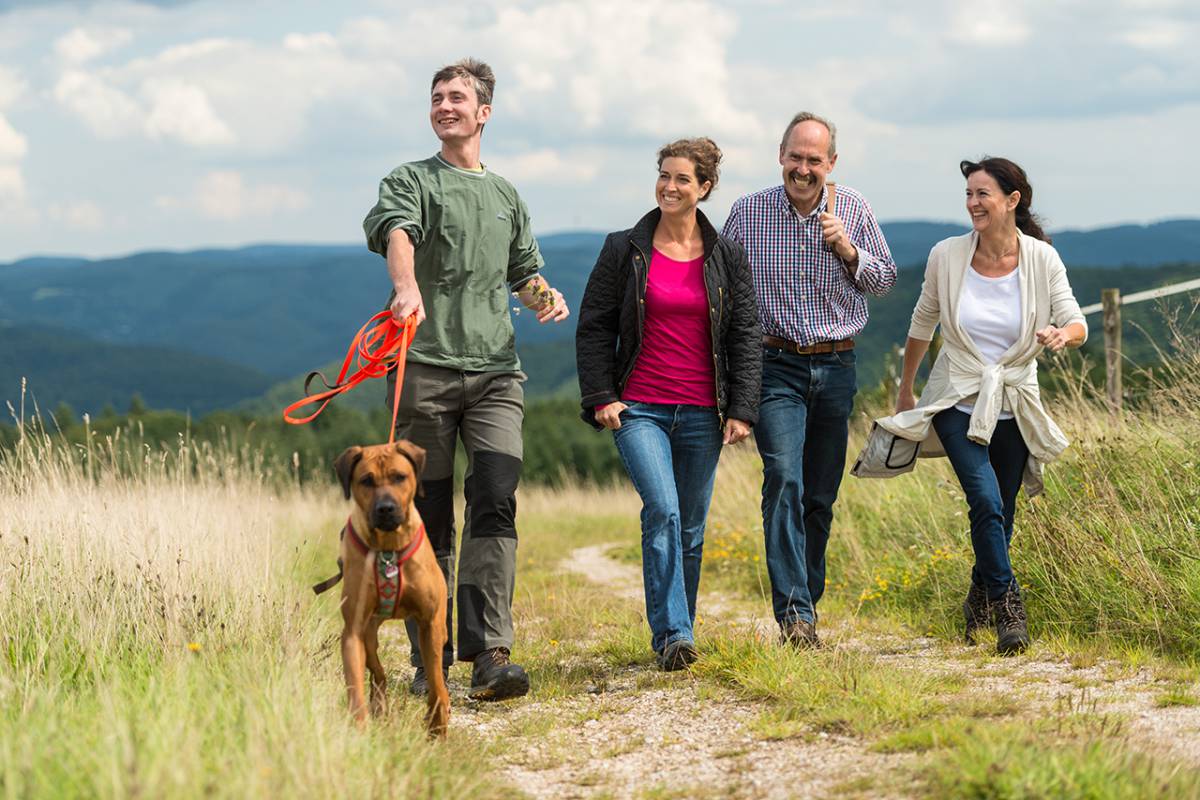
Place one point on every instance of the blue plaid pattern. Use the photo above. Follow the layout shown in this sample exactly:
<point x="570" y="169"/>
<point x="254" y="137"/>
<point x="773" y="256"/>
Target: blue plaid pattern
<point x="804" y="293"/>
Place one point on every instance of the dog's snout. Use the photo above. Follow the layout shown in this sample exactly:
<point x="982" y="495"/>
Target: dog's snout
<point x="386" y="513"/>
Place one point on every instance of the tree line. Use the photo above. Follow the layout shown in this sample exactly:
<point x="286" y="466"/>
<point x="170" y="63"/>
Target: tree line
<point x="558" y="446"/>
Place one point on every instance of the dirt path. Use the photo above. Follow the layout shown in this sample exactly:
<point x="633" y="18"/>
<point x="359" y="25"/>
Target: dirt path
<point x="688" y="740"/>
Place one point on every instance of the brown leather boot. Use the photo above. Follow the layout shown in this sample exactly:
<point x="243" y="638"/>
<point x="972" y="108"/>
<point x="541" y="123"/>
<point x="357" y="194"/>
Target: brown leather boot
<point x="1012" y="630"/>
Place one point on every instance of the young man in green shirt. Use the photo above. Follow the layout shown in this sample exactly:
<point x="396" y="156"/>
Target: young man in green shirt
<point x="457" y="241"/>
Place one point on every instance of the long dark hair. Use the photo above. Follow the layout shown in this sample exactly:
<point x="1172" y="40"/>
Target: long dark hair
<point x="1011" y="178"/>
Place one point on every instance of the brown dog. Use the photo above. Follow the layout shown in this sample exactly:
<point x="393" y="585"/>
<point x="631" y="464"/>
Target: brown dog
<point x="383" y="480"/>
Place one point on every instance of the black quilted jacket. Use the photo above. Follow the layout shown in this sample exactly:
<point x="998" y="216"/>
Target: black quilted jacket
<point x="608" y="337"/>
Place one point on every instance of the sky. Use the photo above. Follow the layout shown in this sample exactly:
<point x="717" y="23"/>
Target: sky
<point x="128" y="126"/>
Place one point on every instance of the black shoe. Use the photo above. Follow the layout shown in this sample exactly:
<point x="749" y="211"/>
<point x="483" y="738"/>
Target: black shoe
<point x="1012" y="630"/>
<point x="679" y="654"/>
<point x="494" y="677"/>
<point x="977" y="611"/>
<point x="419" y="685"/>
<point x="801" y="634"/>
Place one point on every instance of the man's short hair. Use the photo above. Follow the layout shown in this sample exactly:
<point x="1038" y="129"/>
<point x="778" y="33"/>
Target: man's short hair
<point x="474" y="72"/>
<point x="808" y="116"/>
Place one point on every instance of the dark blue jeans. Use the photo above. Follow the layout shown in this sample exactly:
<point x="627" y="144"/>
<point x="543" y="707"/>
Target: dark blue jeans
<point x="671" y="452"/>
<point x="801" y="435"/>
<point x="990" y="477"/>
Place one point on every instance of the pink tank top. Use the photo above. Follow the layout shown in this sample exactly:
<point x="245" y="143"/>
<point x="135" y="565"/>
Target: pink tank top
<point x="675" y="365"/>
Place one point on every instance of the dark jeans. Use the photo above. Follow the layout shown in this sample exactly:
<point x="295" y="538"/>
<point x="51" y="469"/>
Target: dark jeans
<point x="671" y="452"/>
<point x="801" y="435"/>
<point x="991" y="477"/>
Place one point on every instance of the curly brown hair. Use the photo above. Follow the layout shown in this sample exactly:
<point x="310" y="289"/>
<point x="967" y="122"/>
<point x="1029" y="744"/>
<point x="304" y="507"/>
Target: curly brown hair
<point x="704" y="155"/>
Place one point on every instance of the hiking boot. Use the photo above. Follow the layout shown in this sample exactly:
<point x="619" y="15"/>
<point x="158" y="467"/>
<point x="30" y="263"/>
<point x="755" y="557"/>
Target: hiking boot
<point x="977" y="611"/>
<point x="420" y="685"/>
<point x="1008" y="615"/>
<point x="679" y="654"/>
<point x="801" y="634"/>
<point x="494" y="677"/>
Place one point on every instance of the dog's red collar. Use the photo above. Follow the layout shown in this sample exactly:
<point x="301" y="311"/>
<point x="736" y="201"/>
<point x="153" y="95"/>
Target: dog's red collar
<point x="389" y="580"/>
<point x="364" y="548"/>
<point x="389" y="572"/>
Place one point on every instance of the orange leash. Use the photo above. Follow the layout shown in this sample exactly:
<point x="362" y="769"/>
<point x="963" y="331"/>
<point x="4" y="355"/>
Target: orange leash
<point x="380" y="345"/>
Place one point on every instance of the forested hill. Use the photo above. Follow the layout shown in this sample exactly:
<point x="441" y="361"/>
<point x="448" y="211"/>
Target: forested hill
<point x="215" y="328"/>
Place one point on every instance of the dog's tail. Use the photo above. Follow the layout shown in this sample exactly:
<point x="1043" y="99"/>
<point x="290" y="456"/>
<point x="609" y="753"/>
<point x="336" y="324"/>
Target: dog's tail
<point x="329" y="583"/>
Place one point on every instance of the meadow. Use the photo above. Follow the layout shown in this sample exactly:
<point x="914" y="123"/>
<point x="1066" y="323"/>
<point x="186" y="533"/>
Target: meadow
<point x="158" y="637"/>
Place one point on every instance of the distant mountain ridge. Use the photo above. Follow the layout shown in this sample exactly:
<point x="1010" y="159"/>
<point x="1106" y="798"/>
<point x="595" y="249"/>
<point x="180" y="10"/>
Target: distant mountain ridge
<point x="257" y="316"/>
<point x="1163" y="242"/>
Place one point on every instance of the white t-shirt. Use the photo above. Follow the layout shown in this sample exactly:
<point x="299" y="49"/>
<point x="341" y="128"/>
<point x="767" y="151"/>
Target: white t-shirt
<point x="990" y="313"/>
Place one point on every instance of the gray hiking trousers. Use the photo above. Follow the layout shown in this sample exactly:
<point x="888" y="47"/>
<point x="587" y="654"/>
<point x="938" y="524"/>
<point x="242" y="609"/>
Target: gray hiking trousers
<point x="485" y="409"/>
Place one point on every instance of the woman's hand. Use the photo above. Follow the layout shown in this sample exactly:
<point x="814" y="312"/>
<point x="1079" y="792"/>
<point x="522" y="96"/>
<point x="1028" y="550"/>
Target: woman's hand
<point x="735" y="431"/>
<point x="905" y="400"/>
<point x="610" y="415"/>
<point x="1054" y="338"/>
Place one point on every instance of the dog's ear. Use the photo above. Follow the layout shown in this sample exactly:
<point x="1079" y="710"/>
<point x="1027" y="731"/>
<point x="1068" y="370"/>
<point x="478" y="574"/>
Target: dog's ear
<point x="416" y="455"/>
<point x="344" y="467"/>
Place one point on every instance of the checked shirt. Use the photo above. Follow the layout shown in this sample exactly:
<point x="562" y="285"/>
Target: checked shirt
<point x="804" y="292"/>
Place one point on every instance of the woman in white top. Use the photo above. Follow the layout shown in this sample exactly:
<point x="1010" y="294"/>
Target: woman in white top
<point x="1000" y="294"/>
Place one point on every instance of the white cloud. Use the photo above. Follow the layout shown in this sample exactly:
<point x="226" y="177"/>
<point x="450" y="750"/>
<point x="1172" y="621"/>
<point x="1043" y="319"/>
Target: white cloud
<point x="81" y="45"/>
<point x="1157" y="35"/>
<point x="108" y="111"/>
<point x="655" y="70"/>
<point x="217" y="91"/>
<point x="183" y="111"/>
<point x="992" y="23"/>
<point x="225" y="195"/>
<point x="12" y="144"/>
<point x="546" y="166"/>
<point x="14" y="204"/>
<point x="12" y="86"/>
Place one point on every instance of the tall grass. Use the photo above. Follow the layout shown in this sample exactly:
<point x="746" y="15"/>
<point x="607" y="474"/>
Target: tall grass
<point x="157" y="637"/>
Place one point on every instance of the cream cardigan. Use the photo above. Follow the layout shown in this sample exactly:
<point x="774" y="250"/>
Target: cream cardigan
<point x="959" y="371"/>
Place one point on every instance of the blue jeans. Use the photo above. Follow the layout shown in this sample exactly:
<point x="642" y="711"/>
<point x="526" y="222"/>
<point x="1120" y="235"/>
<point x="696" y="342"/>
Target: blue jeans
<point x="991" y="477"/>
<point x="801" y="434"/>
<point x="671" y="452"/>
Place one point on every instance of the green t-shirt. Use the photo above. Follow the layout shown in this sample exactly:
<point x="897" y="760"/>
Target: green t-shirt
<point x="472" y="246"/>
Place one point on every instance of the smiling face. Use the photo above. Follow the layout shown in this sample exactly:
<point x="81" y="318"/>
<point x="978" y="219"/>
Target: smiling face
<point x="455" y="112"/>
<point x="806" y="162"/>
<point x="987" y="204"/>
<point x="678" y="189"/>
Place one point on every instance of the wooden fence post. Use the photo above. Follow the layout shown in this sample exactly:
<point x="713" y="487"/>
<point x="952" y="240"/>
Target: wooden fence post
<point x="1110" y="299"/>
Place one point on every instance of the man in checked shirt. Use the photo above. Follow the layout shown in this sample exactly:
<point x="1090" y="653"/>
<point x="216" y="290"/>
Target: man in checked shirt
<point x="813" y="266"/>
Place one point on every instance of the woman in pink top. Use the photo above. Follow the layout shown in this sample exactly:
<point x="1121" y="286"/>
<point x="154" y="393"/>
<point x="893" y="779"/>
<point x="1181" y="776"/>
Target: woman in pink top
<point x="668" y="353"/>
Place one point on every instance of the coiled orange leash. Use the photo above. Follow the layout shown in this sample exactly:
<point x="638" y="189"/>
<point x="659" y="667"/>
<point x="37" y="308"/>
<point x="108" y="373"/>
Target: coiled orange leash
<point x="380" y="345"/>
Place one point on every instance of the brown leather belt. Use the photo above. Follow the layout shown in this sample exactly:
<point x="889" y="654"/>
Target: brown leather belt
<point x="808" y="349"/>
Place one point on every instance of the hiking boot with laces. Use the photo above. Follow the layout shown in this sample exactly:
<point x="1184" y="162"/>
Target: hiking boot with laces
<point x="977" y="611"/>
<point x="679" y="654"/>
<point x="495" y="677"/>
<point x="1012" y="630"/>
<point x="801" y="634"/>
<point x="420" y="684"/>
